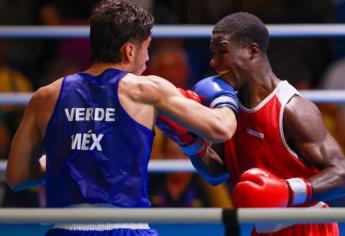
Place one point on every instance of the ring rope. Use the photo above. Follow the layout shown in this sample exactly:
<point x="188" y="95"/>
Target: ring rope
<point x="155" y="166"/>
<point x="171" y="215"/>
<point x="107" y="215"/>
<point x="172" y="31"/>
<point x="318" y="96"/>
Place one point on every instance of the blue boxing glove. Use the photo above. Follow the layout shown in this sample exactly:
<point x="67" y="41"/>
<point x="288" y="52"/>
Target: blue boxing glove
<point x="215" y="92"/>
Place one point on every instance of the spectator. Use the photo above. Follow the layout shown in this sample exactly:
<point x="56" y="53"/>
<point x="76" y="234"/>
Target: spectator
<point x="334" y="79"/>
<point x="171" y="63"/>
<point x="181" y="189"/>
<point x="12" y="80"/>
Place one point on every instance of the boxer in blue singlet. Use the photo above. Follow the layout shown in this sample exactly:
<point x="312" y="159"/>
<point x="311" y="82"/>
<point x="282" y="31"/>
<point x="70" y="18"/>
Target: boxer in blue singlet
<point x="96" y="126"/>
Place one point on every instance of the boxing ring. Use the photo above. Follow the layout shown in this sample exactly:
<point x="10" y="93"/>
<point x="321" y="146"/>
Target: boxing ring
<point x="168" y="221"/>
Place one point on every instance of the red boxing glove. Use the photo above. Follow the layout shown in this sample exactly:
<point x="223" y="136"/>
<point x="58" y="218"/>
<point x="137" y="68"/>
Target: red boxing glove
<point x="260" y="188"/>
<point x="190" y="144"/>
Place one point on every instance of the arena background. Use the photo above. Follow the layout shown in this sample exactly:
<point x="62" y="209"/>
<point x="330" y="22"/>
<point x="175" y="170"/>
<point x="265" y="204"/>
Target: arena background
<point x="27" y="62"/>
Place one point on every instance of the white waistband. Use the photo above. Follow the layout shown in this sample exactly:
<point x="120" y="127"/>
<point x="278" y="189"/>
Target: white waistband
<point x="101" y="227"/>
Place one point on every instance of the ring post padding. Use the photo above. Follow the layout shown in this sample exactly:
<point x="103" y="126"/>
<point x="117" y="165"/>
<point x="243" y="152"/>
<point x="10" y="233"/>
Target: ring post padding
<point x="230" y="222"/>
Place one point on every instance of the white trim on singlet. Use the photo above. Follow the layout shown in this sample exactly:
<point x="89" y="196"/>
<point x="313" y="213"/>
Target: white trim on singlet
<point x="101" y="227"/>
<point x="284" y="93"/>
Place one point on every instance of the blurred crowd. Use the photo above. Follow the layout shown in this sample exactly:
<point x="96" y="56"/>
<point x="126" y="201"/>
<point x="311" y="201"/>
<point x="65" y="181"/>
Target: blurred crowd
<point x="307" y="63"/>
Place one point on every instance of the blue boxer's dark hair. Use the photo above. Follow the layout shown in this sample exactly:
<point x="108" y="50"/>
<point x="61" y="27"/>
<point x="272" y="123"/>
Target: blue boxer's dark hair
<point x="114" y="23"/>
<point x="244" y="28"/>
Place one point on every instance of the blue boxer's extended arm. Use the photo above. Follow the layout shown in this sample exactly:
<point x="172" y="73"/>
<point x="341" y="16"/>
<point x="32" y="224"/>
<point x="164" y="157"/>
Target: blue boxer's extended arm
<point x="215" y="92"/>
<point x="194" y="147"/>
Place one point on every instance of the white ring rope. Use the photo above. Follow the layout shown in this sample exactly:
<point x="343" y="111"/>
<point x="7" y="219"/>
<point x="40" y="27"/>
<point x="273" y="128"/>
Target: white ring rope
<point x="161" y="166"/>
<point x="170" y="215"/>
<point x="172" y="31"/>
<point x="318" y="96"/>
<point x="322" y="96"/>
<point x="155" y="166"/>
<point x="108" y="215"/>
<point x="14" y="98"/>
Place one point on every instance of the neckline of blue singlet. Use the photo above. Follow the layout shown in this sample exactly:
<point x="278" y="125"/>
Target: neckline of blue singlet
<point x="84" y="74"/>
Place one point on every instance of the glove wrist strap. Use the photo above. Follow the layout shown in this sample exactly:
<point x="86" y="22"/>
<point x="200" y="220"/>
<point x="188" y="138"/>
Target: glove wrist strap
<point x="225" y="101"/>
<point x="300" y="191"/>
